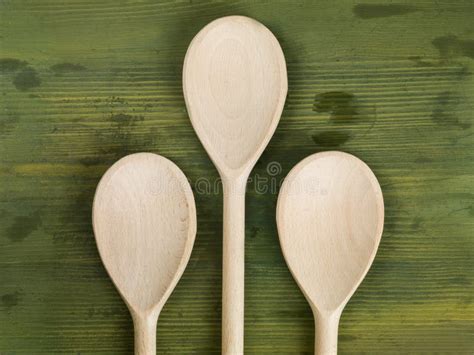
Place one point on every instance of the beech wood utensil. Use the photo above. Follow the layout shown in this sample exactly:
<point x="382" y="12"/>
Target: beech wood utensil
<point x="144" y="221"/>
<point x="235" y="85"/>
<point x="330" y="217"/>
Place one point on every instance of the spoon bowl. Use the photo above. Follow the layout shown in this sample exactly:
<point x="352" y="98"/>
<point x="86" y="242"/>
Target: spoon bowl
<point x="330" y="217"/>
<point x="235" y="85"/>
<point x="144" y="221"/>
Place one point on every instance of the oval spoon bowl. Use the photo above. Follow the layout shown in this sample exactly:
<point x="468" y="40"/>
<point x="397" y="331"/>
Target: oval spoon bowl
<point x="234" y="85"/>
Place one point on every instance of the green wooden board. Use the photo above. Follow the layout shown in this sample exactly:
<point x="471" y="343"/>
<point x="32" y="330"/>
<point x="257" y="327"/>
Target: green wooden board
<point x="86" y="82"/>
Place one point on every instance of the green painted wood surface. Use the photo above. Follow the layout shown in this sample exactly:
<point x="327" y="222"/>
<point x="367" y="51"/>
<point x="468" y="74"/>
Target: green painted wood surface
<point x="85" y="82"/>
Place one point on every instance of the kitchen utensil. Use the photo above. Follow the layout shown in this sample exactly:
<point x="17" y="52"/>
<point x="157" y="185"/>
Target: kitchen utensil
<point x="144" y="221"/>
<point x="330" y="217"/>
<point x="235" y="85"/>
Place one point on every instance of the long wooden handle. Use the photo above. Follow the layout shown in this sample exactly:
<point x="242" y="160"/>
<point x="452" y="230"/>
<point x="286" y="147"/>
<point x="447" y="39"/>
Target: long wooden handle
<point x="326" y="333"/>
<point x="145" y="334"/>
<point x="233" y="260"/>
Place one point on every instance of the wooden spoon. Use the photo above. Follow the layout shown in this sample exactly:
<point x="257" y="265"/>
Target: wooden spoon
<point x="330" y="219"/>
<point x="235" y="85"/>
<point x="144" y="221"/>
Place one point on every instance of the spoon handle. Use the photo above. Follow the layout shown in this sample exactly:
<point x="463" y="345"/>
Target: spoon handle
<point x="233" y="260"/>
<point x="326" y="333"/>
<point x="145" y="334"/>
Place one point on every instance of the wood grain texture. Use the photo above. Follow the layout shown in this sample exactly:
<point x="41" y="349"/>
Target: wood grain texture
<point x="330" y="216"/>
<point x="84" y="83"/>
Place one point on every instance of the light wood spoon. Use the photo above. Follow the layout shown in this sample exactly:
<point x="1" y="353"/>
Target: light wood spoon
<point x="144" y="221"/>
<point x="330" y="217"/>
<point x="235" y="85"/>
